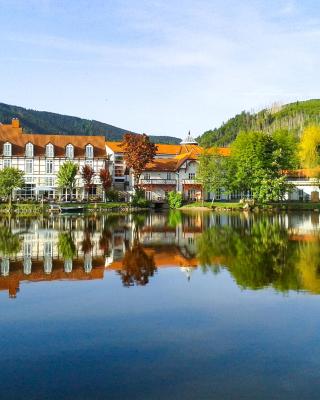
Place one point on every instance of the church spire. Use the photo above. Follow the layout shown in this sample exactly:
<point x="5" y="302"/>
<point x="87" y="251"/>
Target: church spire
<point x="189" y="140"/>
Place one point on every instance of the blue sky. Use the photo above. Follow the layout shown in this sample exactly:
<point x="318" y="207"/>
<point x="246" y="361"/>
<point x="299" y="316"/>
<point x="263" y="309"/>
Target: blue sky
<point x="160" y="67"/>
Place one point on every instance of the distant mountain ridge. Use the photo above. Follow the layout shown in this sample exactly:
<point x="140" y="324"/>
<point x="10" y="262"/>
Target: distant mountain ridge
<point x="293" y="117"/>
<point x="47" y="122"/>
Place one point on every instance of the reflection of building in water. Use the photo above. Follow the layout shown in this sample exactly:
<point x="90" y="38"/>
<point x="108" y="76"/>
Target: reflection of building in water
<point x="43" y="257"/>
<point x="38" y="273"/>
<point x="75" y="248"/>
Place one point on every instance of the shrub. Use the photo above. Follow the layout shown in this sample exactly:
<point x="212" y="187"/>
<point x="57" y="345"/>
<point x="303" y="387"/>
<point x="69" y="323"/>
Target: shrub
<point x="112" y="195"/>
<point x="175" y="199"/>
<point x="138" y="199"/>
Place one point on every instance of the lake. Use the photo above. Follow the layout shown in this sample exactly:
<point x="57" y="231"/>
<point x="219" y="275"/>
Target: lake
<point x="160" y="306"/>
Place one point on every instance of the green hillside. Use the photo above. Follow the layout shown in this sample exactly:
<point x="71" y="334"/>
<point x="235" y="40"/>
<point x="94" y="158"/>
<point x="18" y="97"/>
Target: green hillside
<point x="293" y="116"/>
<point x="47" y="122"/>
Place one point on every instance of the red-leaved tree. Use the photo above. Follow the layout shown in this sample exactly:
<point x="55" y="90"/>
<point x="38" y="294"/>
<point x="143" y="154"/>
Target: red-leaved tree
<point x="87" y="174"/>
<point x="138" y="152"/>
<point x="106" y="180"/>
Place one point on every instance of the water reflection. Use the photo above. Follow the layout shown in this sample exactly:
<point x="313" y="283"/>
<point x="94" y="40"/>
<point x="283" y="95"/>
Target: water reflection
<point x="259" y="250"/>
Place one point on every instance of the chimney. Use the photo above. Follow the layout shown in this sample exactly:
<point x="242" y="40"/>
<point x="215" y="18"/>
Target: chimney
<point x="15" y="123"/>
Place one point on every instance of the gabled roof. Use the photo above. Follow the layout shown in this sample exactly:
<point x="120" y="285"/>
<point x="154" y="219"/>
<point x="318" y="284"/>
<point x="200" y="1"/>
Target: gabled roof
<point x="18" y="139"/>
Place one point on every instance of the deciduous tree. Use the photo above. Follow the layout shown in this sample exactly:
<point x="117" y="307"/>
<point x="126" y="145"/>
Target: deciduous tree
<point x="106" y="180"/>
<point x="67" y="176"/>
<point x="211" y="172"/>
<point x="10" y="179"/>
<point x="87" y="174"/>
<point x="309" y="147"/>
<point x="138" y="152"/>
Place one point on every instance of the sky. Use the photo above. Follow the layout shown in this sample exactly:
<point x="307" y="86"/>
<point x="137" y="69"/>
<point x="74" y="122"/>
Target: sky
<point x="159" y="67"/>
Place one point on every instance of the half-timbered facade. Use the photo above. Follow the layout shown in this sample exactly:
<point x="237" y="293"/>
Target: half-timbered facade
<point x="40" y="156"/>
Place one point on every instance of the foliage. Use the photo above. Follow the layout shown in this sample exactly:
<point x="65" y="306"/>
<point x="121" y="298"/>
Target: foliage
<point x="10" y="243"/>
<point x="10" y="179"/>
<point x="211" y="172"/>
<point x="256" y="256"/>
<point x="256" y="163"/>
<point x="309" y="147"/>
<point x="138" y="152"/>
<point x="292" y="117"/>
<point x="139" y="200"/>
<point x="87" y="174"/>
<point x="66" y="177"/>
<point x="112" y="195"/>
<point x="137" y="266"/>
<point x="174" y="218"/>
<point x="47" y="122"/>
<point x="105" y="179"/>
<point x="175" y="199"/>
<point x="66" y="246"/>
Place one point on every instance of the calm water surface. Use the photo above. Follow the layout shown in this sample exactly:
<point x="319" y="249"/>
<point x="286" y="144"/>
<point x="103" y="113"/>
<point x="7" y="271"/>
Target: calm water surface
<point x="160" y="306"/>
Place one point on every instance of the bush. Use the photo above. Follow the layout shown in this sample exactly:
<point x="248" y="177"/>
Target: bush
<point x="138" y="199"/>
<point x="112" y="195"/>
<point x="175" y="199"/>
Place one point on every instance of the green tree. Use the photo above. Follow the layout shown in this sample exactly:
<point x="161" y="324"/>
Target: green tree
<point x="66" y="246"/>
<point x="257" y="162"/>
<point x="10" y="179"/>
<point x="10" y="243"/>
<point x="67" y="176"/>
<point x="175" y="199"/>
<point x="211" y="172"/>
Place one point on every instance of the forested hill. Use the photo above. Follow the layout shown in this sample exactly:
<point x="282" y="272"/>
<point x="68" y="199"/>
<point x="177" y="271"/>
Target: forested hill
<point x="47" y="122"/>
<point x="293" y="116"/>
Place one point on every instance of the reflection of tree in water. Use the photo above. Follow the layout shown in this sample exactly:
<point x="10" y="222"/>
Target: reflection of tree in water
<point x="66" y="246"/>
<point x="256" y="257"/>
<point x="86" y="244"/>
<point x="105" y="242"/>
<point x="137" y="266"/>
<point x="10" y="243"/>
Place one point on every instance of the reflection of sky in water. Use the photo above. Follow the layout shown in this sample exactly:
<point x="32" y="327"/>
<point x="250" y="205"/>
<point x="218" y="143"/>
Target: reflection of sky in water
<point x="206" y="338"/>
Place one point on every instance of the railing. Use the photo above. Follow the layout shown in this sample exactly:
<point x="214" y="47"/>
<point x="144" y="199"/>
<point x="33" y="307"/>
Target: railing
<point x="158" y="181"/>
<point x="190" y="182"/>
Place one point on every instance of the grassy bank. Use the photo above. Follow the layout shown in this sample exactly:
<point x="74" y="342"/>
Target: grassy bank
<point x="285" y="206"/>
<point x="215" y="205"/>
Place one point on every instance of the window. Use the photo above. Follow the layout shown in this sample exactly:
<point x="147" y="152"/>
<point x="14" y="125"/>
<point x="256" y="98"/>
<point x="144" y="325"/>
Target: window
<point x="29" y="150"/>
<point x="192" y="175"/>
<point x="29" y="167"/>
<point x="49" y="181"/>
<point x="69" y="151"/>
<point x="169" y="175"/>
<point x="6" y="163"/>
<point x="147" y="176"/>
<point x="90" y="163"/>
<point x="49" y="150"/>
<point x="89" y="151"/>
<point x="49" y="166"/>
<point x="7" y="149"/>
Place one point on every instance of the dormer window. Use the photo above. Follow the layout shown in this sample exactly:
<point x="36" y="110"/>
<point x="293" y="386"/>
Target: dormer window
<point x="89" y="151"/>
<point x="29" y="150"/>
<point x="69" y="151"/>
<point x="49" y="150"/>
<point x="7" y="149"/>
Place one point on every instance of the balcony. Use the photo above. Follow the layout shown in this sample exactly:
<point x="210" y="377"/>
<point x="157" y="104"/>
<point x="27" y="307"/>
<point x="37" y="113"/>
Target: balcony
<point x="190" y="182"/>
<point x="158" y="182"/>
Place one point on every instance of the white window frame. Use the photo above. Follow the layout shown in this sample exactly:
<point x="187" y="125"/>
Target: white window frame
<point x="6" y="162"/>
<point x="49" y="166"/>
<point x="49" y="150"/>
<point x="29" y="150"/>
<point x="192" y="176"/>
<point x="7" y="149"/>
<point x="89" y="151"/>
<point x="69" y="151"/>
<point x="28" y="163"/>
